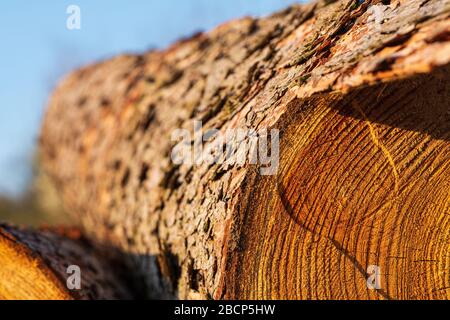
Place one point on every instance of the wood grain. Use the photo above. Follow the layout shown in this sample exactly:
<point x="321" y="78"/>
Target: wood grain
<point x="364" y="181"/>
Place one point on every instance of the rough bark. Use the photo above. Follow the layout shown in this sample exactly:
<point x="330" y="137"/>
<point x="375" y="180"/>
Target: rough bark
<point x="34" y="266"/>
<point x="363" y="112"/>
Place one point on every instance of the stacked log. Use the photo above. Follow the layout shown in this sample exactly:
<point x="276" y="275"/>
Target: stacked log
<point x="354" y="97"/>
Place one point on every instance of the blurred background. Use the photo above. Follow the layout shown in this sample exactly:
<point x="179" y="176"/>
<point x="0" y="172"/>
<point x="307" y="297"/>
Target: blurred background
<point x="38" y="49"/>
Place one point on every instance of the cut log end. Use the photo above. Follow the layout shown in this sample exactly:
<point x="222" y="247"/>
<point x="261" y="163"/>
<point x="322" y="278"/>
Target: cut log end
<point x="356" y="190"/>
<point x="35" y="265"/>
<point x="24" y="275"/>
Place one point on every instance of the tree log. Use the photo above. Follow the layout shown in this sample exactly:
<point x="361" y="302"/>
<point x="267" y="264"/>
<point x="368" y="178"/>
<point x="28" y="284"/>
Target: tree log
<point x="359" y="91"/>
<point x="35" y="265"/>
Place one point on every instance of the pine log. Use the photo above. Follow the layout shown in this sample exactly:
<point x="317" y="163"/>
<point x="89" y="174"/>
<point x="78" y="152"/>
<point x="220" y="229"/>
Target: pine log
<point x="361" y="101"/>
<point x="37" y="265"/>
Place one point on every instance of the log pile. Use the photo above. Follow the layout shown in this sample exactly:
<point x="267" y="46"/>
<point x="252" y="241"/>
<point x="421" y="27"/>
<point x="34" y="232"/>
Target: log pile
<point x="358" y="93"/>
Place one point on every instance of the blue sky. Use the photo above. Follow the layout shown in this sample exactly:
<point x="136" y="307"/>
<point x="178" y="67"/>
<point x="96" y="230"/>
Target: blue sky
<point x="37" y="49"/>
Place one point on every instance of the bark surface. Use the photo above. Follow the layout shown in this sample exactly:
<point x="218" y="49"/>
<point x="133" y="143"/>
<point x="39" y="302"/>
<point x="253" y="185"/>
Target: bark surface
<point x="362" y="105"/>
